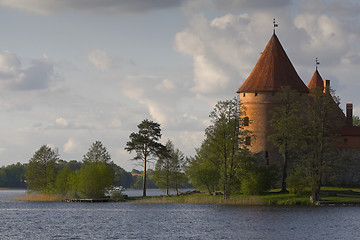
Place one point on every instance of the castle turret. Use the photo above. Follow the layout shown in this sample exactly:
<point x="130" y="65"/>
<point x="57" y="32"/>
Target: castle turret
<point x="258" y="94"/>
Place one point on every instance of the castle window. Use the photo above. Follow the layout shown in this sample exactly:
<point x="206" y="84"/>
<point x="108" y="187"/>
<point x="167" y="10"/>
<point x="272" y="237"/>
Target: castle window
<point x="246" y="121"/>
<point x="248" y="141"/>
<point x="345" y="140"/>
<point x="243" y="94"/>
<point x="255" y="94"/>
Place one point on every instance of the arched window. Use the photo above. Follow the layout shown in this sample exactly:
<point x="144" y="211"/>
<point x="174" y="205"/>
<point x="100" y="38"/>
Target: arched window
<point x="246" y="121"/>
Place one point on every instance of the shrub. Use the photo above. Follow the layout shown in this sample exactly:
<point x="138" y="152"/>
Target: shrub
<point x="258" y="180"/>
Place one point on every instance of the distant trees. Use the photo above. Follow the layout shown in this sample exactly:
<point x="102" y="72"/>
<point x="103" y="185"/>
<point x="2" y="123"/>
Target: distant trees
<point x="12" y="176"/>
<point x="146" y="145"/>
<point x="41" y="170"/>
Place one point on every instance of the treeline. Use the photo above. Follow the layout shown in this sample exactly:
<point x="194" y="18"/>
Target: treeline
<point x="13" y="176"/>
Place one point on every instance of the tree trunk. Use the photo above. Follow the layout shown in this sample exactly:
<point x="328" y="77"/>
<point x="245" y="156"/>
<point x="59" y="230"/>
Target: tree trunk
<point x="284" y="174"/>
<point x="144" y="179"/>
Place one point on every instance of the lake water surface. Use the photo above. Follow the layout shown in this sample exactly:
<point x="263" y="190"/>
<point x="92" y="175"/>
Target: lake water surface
<point x="44" y="220"/>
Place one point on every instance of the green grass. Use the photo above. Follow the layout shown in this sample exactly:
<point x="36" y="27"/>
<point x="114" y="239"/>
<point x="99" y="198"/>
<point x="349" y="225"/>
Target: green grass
<point x="274" y="197"/>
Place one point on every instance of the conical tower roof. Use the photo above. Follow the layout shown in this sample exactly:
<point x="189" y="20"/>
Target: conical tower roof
<point x="316" y="81"/>
<point x="272" y="71"/>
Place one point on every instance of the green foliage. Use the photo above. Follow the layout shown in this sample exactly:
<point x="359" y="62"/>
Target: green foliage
<point x="121" y="177"/>
<point x="93" y="179"/>
<point x="258" y="180"/>
<point x="62" y="185"/>
<point x="203" y="175"/>
<point x="145" y="144"/>
<point x="169" y="169"/>
<point x="97" y="153"/>
<point x="12" y="176"/>
<point x="117" y="196"/>
<point x="287" y="124"/>
<point x="356" y="121"/>
<point x="298" y="181"/>
<point x="41" y="171"/>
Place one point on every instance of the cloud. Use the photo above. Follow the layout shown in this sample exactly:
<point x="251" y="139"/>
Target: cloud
<point x="71" y="146"/>
<point x="101" y="60"/>
<point x="123" y="7"/>
<point x="62" y="122"/>
<point x="39" y="75"/>
<point x="162" y="98"/>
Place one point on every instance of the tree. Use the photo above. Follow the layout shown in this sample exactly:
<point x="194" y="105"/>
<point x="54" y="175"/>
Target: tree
<point x="356" y="121"/>
<point x="97" y="153"/>
<point x="62" y="184"/>
<point x="145" y="144"/>
<point x="287" y="126"/>
<point x="169" y="169"/>
<point x="226" y="137"/>
<point x="203" y="174"/>
<point x="41" y="171"/>
<point x="93" y="179"/>
<point x="322" y="125"/>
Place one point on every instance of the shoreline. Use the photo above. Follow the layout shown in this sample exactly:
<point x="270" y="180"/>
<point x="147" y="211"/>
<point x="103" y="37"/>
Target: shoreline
<point x="331" y="196"/>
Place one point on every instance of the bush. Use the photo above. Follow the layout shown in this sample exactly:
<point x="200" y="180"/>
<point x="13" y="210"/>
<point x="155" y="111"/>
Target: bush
<point x="259" y="180"/>
<point x="297" y="181"/>
<point x="118" y="196"/>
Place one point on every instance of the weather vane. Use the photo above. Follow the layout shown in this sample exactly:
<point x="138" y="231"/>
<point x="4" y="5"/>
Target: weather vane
<point x="275" y="24"/>
<point x="316" y="63"/>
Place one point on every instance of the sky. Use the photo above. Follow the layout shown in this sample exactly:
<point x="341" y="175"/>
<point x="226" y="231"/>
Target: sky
<point x="80" y="71"/>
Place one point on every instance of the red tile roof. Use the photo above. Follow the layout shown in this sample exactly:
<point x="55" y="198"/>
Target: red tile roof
<point x="316" y="81"/>
<point x="273" y="70"/>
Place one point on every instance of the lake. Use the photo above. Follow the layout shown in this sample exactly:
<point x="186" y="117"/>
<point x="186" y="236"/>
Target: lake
<point x="57" y="220"/>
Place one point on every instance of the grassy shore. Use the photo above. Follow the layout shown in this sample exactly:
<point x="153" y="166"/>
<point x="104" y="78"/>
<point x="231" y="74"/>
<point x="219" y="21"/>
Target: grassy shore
<point x="40" y="197"/>
<point x="330" y="195"/>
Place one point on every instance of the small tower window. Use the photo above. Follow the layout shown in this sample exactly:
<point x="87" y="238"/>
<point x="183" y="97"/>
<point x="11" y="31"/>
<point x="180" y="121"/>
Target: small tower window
<point x="246" y="121"/>
<point x="243" y="94"/>
<point x="247" y="141"/>
<point x="255" y="94"/>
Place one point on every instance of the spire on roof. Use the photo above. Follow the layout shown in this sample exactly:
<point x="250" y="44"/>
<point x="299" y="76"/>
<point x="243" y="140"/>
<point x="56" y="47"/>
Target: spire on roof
<point x="275" y="24"/>
<point x="272" y="71"/>
<point x="316" y="80"/>
<point x="316" y="63"/>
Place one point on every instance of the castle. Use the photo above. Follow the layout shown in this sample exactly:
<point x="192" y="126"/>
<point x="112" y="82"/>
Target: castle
<point x="258" y="94"/>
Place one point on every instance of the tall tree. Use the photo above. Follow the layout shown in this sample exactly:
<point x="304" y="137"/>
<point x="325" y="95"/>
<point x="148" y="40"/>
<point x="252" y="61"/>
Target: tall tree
<point x="169" y="169"/>
<point x="41" y="171"/>
<point x="322" y="125"/>
<point x="146" y="144"/>
<point x="97" y="153"/>
<point x="287" y="125"/>
<point x="226" y="137"/>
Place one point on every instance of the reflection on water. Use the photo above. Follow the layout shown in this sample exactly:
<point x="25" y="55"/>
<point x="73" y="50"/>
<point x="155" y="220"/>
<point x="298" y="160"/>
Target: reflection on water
<point x="37" y="220"/>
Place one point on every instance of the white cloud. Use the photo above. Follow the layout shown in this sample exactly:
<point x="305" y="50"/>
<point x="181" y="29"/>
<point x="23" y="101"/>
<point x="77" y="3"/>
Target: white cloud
<point x="100" y="59"/>
<point x="71" y="146"/>
<point x="62" y="122"/>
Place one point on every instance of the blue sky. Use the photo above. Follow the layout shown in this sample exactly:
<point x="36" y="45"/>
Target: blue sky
<point x="74" y="72"/>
